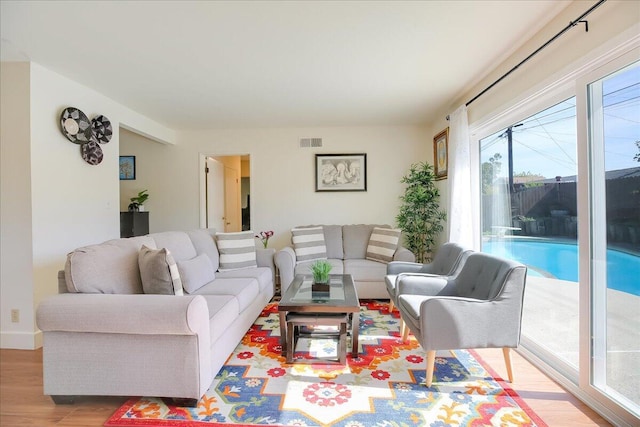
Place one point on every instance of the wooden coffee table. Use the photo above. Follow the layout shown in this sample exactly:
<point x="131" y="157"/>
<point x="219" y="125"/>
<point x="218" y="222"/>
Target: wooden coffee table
<point x="341" y="299"/>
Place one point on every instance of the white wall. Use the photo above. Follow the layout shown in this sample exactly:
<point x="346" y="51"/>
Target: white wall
<point x="67" y="203"/>
<point x="282" y="175"/>
<point x="16" y="275"/>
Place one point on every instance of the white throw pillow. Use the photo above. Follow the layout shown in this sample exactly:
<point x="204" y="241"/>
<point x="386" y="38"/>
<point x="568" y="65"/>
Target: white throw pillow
<point x="196" y="272"/>
<point x="308" y="243"/>
<point x="237" y="250"/>
<point x="383" y="244"/>
<point x="159" y="272"/>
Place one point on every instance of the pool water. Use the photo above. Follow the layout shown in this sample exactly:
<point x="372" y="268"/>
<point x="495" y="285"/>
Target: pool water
<point x="560" y="260"/>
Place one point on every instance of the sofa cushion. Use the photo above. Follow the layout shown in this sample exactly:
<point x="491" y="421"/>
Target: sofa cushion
<point x="263" y="275"/>
<point x="159" y="272"/>
<point x="383" y="244"/>
<point x="108" y="268"/>
<point x="365" y="270"/>
<point x="355" y="238"/>
<point x="333" y="241"/>
<point x="308" y="243"/>
<point x="196" y="272"/>
<point x="178" y="242"/>
<point x="237" y="250"/>
<point x="245" y="290"/>
<point x="223" y="312"/>
<point x="204" y="243"/>
<point x="305" y="267"/>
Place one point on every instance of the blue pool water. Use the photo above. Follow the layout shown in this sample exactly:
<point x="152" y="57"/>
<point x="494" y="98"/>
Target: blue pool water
<point x="560" y="260"/>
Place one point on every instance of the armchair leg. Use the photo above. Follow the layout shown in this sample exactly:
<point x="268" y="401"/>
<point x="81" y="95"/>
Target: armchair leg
<point x="507" y="361"/>
<point x="405" y="331"/>
<point x="390" y="305"/>
<point x="431" y="361"/>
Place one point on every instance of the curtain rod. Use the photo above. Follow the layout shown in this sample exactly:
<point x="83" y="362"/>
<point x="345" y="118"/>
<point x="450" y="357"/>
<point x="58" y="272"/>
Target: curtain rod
<point x="578" y="20"/>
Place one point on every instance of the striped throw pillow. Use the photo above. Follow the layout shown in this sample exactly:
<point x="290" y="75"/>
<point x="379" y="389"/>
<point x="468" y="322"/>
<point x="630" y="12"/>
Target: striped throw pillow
<point x="308" y="243"/>
<point x="237" y="250"/>
<point x="383" y="244"/>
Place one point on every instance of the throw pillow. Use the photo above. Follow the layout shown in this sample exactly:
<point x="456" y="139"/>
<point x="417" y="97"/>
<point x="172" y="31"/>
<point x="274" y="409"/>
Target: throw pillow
<point x="196" y="272"/>
<point x="308" y="243"/>
<point x="237" y="250"/>
<point x="159" y="272"/>
<point x="383" y="244"/>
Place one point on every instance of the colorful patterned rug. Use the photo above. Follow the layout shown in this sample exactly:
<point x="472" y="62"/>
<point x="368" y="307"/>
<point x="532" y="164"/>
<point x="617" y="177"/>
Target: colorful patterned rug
<point x="383" y="387"/>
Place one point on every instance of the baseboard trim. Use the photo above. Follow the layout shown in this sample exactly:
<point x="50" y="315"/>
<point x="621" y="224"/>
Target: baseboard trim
<point x="21" y="340"/>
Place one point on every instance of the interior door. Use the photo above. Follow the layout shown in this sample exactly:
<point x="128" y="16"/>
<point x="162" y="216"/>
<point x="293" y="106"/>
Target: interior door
<point x="232" y="217"/>
<point x="215" y="172"/>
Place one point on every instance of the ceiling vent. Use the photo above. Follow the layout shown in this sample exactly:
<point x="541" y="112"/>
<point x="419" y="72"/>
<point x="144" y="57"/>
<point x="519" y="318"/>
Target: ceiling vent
<point x="310" y="142"/>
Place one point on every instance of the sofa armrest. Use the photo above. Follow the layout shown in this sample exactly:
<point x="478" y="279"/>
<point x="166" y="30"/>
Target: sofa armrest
<point x="124" y="314"/>
<point x="264" y="257"/>
<point x="404" y="254"/>
<point x="285" y="260"/>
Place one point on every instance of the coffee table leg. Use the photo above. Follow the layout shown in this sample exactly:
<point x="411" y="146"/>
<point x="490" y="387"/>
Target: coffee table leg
<point x="283" y="331"/>
<point x="355" y="328"/>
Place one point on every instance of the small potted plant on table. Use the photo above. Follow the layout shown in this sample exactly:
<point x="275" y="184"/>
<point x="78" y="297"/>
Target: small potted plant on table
<point x="320" y="271"/>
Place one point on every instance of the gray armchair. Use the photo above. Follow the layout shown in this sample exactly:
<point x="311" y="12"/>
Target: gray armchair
<point x="447" y="262"/>
<point x="480" y="307"/>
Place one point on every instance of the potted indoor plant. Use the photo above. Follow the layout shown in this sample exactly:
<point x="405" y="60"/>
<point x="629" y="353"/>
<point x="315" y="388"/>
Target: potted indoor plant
<point x="137" y="202"/>
<point x="420" y="217"/>
<point x="320" y="271"/>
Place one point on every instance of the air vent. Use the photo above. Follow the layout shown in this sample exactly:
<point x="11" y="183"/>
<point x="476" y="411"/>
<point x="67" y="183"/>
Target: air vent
<point x="310" y="142"/>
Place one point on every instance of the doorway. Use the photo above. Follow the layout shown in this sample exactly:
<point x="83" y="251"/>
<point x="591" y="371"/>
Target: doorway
<point x="225" y="193"/>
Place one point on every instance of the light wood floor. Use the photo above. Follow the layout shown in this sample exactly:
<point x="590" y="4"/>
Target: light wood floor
<point x="23" y="404"/>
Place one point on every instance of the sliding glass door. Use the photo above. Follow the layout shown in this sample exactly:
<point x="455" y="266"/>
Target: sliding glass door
<point x="529" y="213"/>
<point x="560" y="192"/>
<point x="614" y="147"/>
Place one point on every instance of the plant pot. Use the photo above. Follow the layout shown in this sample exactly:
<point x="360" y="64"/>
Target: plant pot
<point x="320" y="287"/>
<point x="140" y="208"/>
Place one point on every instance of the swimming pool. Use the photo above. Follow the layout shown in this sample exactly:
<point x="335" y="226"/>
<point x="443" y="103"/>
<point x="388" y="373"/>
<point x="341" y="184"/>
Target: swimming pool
<point x="560" y="260"/>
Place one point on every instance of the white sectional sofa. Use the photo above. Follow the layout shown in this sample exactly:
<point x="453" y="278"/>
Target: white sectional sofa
<point x="104" y="336"/>
<point x="347" y="250"/>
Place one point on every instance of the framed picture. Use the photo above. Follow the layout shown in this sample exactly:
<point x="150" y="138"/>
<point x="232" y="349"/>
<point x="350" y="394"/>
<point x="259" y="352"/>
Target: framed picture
<point x="441" y="154"/>
<point x="341" y="172"/>
<point x="127" y="167"/>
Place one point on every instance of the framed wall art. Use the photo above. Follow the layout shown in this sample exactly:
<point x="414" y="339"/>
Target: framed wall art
<point x="341" y="172"/>
<point x="441" y="154"/>
<point x="127" y="168"/>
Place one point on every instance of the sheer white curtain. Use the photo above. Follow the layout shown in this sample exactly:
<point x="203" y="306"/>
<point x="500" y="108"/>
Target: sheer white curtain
<point x="460" y="213"/>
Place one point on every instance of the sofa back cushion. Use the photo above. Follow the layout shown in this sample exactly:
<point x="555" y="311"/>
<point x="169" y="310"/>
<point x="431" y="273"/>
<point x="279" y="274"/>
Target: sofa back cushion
<point x="108" y="268"/>
<point x="178" y="242"/>
<point x="355" y="239"/>
<point x="333" y="241"/>
<point x="204" y="242"/>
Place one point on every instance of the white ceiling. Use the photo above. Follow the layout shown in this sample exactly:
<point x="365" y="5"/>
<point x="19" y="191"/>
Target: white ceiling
<point x="205" y="64"/>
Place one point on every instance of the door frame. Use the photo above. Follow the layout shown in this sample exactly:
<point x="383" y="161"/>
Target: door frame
<point x="202" y="161"/>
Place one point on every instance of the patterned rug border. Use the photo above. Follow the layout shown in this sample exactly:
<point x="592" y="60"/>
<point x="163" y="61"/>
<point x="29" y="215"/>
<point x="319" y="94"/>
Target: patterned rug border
<point x="117" y="420"/>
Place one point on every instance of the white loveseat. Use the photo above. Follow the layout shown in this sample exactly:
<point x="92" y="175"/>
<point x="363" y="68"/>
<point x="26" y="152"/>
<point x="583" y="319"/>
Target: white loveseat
<point x="104" y="336"/>
<point x="346" y="250"/>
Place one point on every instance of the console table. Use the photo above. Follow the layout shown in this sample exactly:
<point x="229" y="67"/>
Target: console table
<point x="134" y="224"/>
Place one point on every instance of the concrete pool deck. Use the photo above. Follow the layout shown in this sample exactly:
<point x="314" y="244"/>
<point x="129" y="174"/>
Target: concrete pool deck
<point x="550" y="318"/>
